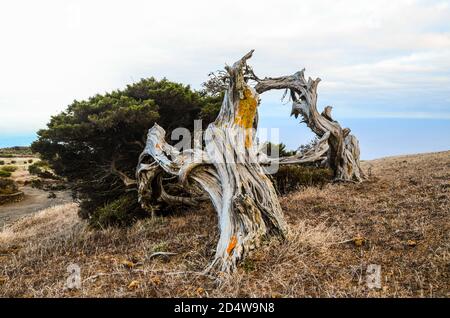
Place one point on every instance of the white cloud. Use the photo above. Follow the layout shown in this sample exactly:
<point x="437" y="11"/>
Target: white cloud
<point x="53" y="52"/>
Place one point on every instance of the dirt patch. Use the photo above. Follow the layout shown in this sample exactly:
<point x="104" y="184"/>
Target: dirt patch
<point x="34" y="200"/>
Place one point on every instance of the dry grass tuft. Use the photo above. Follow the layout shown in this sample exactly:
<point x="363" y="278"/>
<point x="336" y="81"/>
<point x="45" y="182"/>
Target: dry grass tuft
<point x="42" y="225"/>
<point x="398" y="219"/>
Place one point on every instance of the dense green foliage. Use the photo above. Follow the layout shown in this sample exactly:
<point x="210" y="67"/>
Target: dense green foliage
<point x="9" y="168"/>
<point x="291" y="177"/>
<point x="41" y="169"/>
<point x="81" y="143"/>
<point x="5" y="174"/>
<point x="6" y="171"/>
<point x="120" y="212"/>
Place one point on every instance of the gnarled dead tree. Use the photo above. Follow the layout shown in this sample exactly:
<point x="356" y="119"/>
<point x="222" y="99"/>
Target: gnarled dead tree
<point x="231" y="168"/>
<point x="341" y="148"/>
<point x="228" y="170"/>
<point x="343" y="152"/>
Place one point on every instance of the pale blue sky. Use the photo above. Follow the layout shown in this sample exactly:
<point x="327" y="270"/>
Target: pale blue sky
<point x="387" y="61"/>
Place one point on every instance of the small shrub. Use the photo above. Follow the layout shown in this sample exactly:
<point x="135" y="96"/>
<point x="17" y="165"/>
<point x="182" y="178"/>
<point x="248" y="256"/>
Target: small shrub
<point x="248" y="265"/>
<point x="38" y="167"/>
<point x="9" y="168"/>
<point x="41" y="169"/>
<point x="37" y="184"/>
<point x="2" y="162"/>
<point x="57" y="187"/>
<point x="42" y="163"/>
<point x="13" y="161"/>
<point x="5" y="174"/>
<point x="30" y="160"/>
<point x="290" y="178"/>
<point x="51" y="195"/>
<point x="8" y="186"/>
<point x="47" y="175"/>
<point x="121" y="212"/>
<point x="34" y="169"/>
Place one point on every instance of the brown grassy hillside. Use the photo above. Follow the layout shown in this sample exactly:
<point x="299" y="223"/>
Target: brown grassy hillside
<point x="399" y="219"/>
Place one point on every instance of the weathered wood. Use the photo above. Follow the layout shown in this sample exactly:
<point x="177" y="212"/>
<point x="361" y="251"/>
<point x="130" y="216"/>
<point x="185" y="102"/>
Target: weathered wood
<point x="343" y="152"/>
<point x="231" y="168"/>
<point x="228" y="170"/>
<point x="318" y="153"/>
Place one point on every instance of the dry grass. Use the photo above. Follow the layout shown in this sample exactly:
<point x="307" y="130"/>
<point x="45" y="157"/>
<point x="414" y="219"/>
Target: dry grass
<point x="44" y="225"/>
<point x="400" y="217"/>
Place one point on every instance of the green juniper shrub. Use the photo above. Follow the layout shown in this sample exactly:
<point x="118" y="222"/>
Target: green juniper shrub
<point x="9" y="168"/>
<point x="37" y="184"/>
<point x="2" y="162"/>
<point x="291" y="177"/>
<point x="35" y="168"/>
<point x="57" y="187"/>
<point x="47" y="175"/>
<point x="42" y="170"/>
<point x="120" y="212"/>
<point x="81" y="143"/>
<point x="5" y="174"/>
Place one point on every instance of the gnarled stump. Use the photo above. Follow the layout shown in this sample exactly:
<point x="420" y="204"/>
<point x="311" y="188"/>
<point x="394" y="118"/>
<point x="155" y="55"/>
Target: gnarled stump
<point x="228" y="170"/>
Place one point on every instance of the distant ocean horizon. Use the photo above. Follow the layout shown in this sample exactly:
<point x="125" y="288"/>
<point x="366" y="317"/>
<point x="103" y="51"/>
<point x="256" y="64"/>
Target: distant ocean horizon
<point x="380" y="137"/>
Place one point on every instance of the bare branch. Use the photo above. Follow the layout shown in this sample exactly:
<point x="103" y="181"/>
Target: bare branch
<point x="125" y="179"/>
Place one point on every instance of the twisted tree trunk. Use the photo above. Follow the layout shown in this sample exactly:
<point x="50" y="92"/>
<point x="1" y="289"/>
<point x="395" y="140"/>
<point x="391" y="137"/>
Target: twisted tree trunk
<point x="228" y="170"/>
<point x="343" y="152"/>
<point x="232" y="170"/>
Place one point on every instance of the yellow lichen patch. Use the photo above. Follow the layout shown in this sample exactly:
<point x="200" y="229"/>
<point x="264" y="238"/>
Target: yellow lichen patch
<point x="232" y="245"/>
<point x="246" y="114"/>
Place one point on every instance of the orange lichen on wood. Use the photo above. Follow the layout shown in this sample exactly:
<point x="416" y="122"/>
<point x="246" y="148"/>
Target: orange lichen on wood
<point x="246" y="114"/>
<point x="232" y="244"/>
